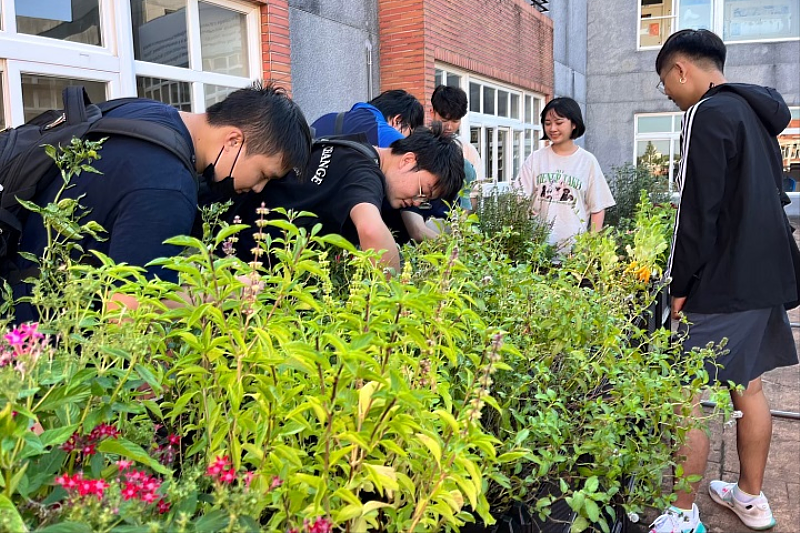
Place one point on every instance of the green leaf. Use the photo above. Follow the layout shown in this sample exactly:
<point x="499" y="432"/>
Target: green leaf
<point x="591" y="484"/>
<point x="11" y="516"/>
<point x="212" y="522"/>
<point x="57" y="436"/>
<point x="66" y="527"/>
<point x="130" y="450"/>
<point x="580" y="524"/>
<point x="433" y="446"/>
<point x="592" y="510"/>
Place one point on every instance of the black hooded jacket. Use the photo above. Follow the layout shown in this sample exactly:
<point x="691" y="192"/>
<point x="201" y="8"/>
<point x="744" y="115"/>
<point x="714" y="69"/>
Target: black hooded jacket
<point x="731" y="249"/>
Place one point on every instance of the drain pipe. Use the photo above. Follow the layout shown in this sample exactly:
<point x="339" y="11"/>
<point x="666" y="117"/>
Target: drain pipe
<point x="778" y="414"/>
<point x="368" y="46"/>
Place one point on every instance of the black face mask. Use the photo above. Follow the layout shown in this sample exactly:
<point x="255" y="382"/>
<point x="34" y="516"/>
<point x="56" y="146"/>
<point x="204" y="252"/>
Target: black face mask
<point x="212" y="190"/>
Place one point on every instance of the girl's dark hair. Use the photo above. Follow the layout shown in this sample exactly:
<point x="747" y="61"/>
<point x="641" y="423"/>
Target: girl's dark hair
<point x="697" y="45"/>
<point x="438" y="153"/>
<point x="272" y="122"/>
<point x="565" y="108"/>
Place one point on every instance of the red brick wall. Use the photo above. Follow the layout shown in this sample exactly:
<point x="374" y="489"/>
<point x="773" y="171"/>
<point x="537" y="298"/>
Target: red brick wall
<point x="506" y="40"/>
<point x="275" y="51"/>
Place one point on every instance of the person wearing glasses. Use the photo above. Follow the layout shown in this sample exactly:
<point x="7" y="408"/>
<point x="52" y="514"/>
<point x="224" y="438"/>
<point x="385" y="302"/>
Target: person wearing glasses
<point x="731" y="262"/>
<point x="345" y="188"/>
<point x="564" y="182"/>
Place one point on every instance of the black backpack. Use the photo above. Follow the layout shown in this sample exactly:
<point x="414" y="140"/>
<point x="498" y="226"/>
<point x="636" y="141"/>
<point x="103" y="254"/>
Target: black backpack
<point x="356" y="142"/>
<point x="26" y="170"/>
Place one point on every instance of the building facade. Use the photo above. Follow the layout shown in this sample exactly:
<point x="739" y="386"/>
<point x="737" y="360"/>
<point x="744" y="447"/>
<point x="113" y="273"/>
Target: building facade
<point x="329" y="53"/>
<point x="630" y="121"/>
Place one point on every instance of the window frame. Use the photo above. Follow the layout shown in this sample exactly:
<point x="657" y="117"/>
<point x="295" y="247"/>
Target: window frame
<point x="113" y="62"/>
<point x="482" y="121"/>
<point x="673" y="137"/>
<point x="717" y="25"/>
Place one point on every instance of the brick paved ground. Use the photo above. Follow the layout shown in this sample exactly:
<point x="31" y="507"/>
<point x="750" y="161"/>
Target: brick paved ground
<point x="782" y="479"/>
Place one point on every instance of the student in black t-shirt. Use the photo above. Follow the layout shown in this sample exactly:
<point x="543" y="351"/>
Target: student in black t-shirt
<point x="145" y="195"/>
<point x="345" y="189"/>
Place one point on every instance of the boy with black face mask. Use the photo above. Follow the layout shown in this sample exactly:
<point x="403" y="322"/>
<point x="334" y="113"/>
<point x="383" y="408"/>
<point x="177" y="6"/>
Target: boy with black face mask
<point x="145" y="194"/>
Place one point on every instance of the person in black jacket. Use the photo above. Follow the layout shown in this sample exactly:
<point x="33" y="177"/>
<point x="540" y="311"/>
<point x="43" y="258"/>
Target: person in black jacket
<point x="731" y="262"/>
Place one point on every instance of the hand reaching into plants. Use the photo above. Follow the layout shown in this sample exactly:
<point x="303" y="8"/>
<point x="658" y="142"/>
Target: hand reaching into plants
<point x="677" y="307"/>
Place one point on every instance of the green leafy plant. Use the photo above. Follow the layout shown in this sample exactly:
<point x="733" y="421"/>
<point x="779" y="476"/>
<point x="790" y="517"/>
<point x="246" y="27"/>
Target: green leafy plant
<point x="627" y="183"/>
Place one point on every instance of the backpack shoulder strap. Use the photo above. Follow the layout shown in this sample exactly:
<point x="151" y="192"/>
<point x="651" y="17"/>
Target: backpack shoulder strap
<point x="367" y="150"/>
<point x="152" y="132"/>
<point x="338" y="126"/>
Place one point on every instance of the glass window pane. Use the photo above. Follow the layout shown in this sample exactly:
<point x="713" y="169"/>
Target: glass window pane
<point x="488" y="100"/>
<point x="438" y="77"/>
<point x="42" y="93"/>
<point x="474" y="97"/>
<point x="489" y="155"/>
<point x="659" y="124"/>
<point x="654" y="156"/>
<point x="223" y="40"/>
<point x="159" y="32"/>
<point x="517" y="154"/>
<point x="676" y="161"/>
<point x="502" y="154"/>
<point x="502" y="103"/>
<point x="475" y="137"/>
<point x="453" y="80"/>
<point x="795" y="111"/>
<point x="537" y="111"/>
<point x="531" y="142"/>
<point x="216" y="93"/>
<point x="748" y="20"/>
<point x="68" y="20"/>
<point x="695" y="15"/>
<point x="178" y="94"/>
<point x="528" y="109"/>
<point x="515" y="106"/>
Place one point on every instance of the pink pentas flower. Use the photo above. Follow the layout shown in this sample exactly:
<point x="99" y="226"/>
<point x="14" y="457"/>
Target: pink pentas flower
<point x="15" y="338"/>
<point x="163" y="507"/>
<point x="148" y="497"/>
<point x="321" y="525"/>
<point x="248" y="478"/>
<point x="228" y="476"/>
<point x="124" y="464"/>
<point x="174" y="439"/>
<point x="275" y="483"/>
<point x="129" y="491"/>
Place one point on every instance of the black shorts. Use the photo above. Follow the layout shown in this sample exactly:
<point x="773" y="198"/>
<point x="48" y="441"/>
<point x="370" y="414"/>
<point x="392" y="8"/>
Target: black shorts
<point x="759" y="340"/>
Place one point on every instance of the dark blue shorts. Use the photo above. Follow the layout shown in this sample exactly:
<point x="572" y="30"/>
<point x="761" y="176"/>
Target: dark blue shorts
<point x="759" y="340"/>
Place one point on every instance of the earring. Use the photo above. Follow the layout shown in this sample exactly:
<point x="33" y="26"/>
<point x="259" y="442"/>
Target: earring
<point x="682" y="80"/>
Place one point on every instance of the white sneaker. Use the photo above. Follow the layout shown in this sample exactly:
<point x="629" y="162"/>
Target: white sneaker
<point x="676" y="521"/>
<point x="755" y="514"/>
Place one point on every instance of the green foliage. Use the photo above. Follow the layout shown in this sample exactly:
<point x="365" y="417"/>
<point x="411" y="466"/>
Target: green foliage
<point x="258" y="396"/>
<point x="627" y="183"/>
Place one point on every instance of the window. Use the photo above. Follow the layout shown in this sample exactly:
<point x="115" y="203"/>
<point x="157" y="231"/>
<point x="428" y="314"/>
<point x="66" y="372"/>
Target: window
<point x="657" y="145"/>
<point x="789" y="141"/>
<point x="734" y="20"/>
<point x="503" y="123"/>
<point x="188" y="53"/>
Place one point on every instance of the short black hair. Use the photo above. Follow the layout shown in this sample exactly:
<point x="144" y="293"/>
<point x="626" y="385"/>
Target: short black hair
<point x="399" y="102"/>
<point x="437" y="152"/>
<point x="450" y="103"/>
<point x="272" y="123"/>
<point x="698" y="45"/>
<point x="567" y="108"/>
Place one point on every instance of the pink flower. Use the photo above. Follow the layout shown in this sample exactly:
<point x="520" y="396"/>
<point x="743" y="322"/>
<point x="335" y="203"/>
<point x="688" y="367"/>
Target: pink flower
<point x="14" y="338"/>
<point x="218" y="466"/>
<point x="163" y="507"/>
<point x="248" y="478"/>
<point x="148" y="497"/>
<point x="228" y="476"/>
<point x="174" y="439"/>
<point x="321" y="525"/>
<point x="124" y="464"/>
<point x="275" y="483"/>
<point x="89" y="449"/>
<point x="129" y="492"/>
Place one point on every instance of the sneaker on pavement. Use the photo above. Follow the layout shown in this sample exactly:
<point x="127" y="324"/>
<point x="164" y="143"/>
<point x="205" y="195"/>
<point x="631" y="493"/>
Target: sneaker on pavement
<point x="676" y="521"/>
<point x="755" y="514"/>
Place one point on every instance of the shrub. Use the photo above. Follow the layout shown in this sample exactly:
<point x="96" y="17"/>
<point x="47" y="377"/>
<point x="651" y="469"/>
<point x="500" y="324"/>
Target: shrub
<point x="627" y="183"/>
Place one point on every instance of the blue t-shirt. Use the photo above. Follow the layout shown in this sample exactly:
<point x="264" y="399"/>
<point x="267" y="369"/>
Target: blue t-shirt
<point x="144" y="196"/>
<point x="362" y="118"/>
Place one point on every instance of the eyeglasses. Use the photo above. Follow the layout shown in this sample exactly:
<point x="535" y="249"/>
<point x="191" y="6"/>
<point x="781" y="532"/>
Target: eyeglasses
<point x="660" y="84"/>
<point x="420" y="199"/>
